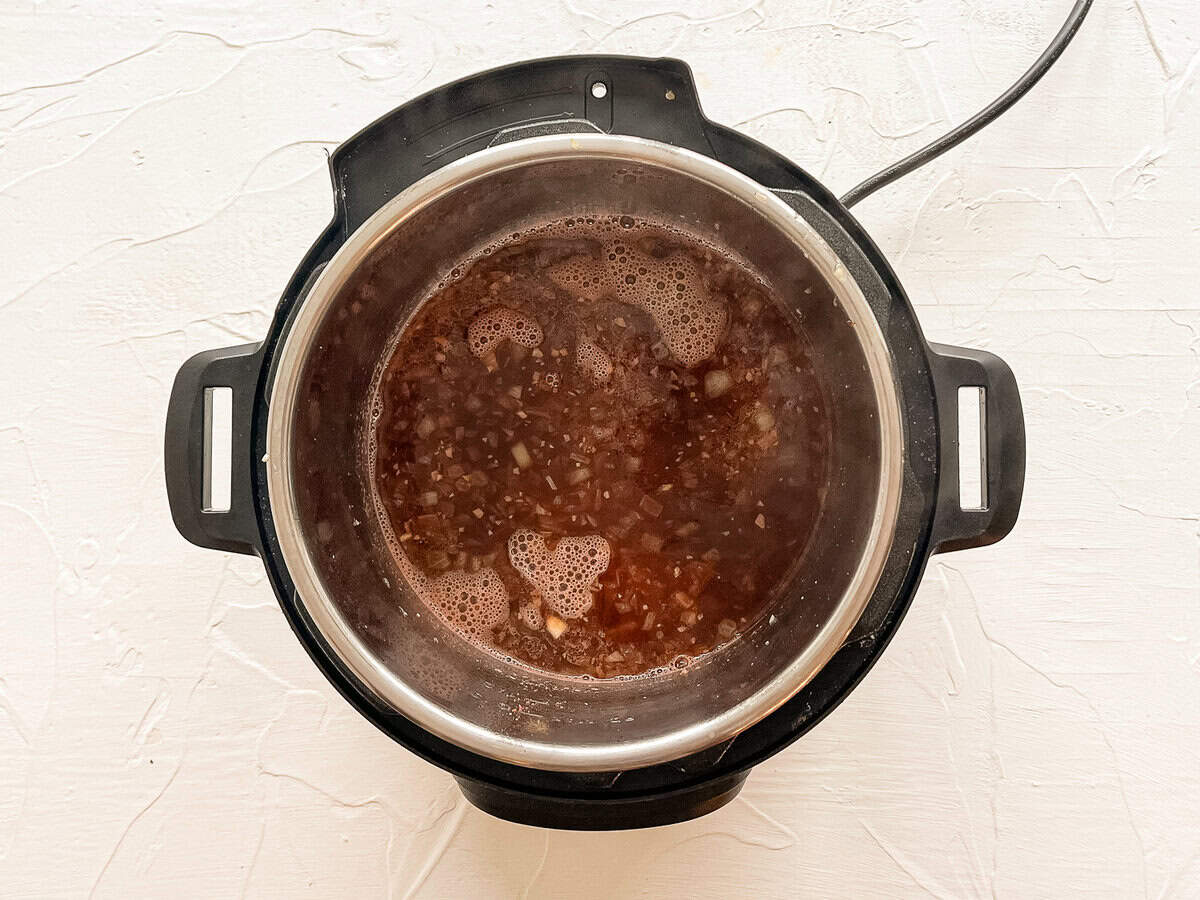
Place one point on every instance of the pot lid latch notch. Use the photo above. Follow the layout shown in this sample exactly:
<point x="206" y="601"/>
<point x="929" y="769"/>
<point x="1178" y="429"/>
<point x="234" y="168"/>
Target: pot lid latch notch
<point x="598" y="99"/>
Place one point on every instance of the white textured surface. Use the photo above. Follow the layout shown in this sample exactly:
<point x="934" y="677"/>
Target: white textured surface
<point x="1032" y="731"/>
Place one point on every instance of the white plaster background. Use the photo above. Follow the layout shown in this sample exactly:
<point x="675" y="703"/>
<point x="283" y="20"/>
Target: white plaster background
<point x="1032" y="731"/>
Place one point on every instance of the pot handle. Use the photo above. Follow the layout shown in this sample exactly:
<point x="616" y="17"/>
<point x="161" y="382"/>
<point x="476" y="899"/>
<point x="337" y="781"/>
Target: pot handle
<point x="187" y="449"/>
<point x="1003" y="445"/>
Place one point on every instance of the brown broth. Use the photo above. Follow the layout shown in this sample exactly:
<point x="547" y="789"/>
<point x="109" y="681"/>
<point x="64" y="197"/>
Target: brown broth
<point x="704" y="481"/>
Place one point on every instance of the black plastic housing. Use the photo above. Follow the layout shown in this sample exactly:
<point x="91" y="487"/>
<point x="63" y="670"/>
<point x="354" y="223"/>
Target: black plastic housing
<point x="653" y="99"/>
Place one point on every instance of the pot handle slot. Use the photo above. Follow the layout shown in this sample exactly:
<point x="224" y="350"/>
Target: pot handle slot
<point x="190" y="443"/>
<point x="1001" y="443"/>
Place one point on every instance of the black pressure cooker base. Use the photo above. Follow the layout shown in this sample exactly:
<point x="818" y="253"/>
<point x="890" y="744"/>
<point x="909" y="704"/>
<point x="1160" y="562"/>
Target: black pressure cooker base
<point x="654" y="99"/>
<point x="614" y="814"/>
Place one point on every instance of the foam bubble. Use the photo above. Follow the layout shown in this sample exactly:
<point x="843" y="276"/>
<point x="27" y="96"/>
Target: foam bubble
<point x="563" y="577"/>
<point x="582" y="275"/>
<point x="531" y="614"/>
<point x="592" y="361"/>
<point x="670" y="289"/>
<point x="501" y="323"/>
<point x="472" y="603"/>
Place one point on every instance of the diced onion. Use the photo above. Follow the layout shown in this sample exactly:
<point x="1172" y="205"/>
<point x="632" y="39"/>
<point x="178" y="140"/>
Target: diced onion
<point x="556" y="626"/>
<point x="578" y="476"/>
<point x="717" y="383"/>
<point x="520" y="455"/>
<point x="651" y="507"/>
<point x="652" y="542"/>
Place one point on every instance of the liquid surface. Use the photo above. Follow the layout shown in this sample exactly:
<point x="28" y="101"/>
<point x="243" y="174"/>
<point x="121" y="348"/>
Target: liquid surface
<point x="600" y="448"/>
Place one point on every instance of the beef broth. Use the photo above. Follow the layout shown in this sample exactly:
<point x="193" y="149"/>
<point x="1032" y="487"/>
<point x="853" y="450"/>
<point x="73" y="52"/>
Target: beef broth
<point x="599" y="448"/>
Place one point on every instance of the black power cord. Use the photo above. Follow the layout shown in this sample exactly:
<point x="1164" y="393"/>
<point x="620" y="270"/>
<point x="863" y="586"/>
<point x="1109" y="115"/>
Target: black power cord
<point x="984" y="117"/>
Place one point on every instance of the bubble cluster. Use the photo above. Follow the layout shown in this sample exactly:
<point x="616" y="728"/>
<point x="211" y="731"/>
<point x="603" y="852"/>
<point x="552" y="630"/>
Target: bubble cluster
<point x="530" y="614"/>
<point x="669" y="288"/>
<point x="472" y="603"/>
<point x="583" y="275"/>
<point x="498" y="324"/>
<point x="592" y="361"/>
<point x="563" y="577"/>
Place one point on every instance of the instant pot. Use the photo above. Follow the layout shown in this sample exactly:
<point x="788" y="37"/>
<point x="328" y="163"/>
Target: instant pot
<point x="465" y="165"/>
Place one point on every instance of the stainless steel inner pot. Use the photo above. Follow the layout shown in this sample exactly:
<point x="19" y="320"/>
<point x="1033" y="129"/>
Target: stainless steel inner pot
<point x="319" y="491"/>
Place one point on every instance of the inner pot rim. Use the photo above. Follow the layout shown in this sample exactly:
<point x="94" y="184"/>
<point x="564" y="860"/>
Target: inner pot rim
<point x="323" y="611"/>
